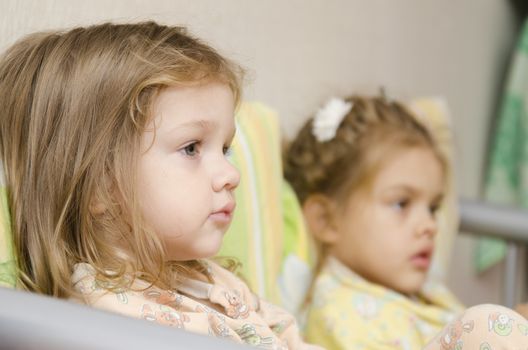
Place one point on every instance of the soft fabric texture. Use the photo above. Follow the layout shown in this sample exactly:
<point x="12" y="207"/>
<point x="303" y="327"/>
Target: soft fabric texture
<point x="224" y="309"/>
<point x="348" y="312"/>
<point x="483" y="327"/>
<point x="507" y="173"/>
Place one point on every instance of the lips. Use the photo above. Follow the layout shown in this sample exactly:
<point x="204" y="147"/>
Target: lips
<point x="422" y="260"/>
<point x="224" y="215"/>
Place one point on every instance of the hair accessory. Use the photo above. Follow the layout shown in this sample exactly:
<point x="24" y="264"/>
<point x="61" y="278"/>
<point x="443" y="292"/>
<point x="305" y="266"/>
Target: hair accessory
<point x="328" y="118"/>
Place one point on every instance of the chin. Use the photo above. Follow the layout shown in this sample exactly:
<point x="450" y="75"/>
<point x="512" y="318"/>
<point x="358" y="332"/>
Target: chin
<point x="202" y="253"/>
<point x="210" y="250"/>
<point x="410" y="286"/>
<point x="210" y="254"/>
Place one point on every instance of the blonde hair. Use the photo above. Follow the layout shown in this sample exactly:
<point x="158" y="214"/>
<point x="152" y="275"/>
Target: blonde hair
<point x="73" y="106"/>
<point x="371" y="132"/>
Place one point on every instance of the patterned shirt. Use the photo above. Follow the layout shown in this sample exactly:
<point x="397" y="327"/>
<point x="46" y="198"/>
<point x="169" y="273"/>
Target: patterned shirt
<point x="349" y="312"/>
<point x="225" y="309"/>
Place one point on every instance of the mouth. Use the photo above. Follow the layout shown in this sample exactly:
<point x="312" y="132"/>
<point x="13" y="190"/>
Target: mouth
<point x="422" y="260"/>
<point x="224" y="215"/>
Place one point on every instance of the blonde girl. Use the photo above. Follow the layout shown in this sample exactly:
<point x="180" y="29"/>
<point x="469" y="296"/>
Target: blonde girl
<point x="370" y="179"/>
<point x="114" y="139"/>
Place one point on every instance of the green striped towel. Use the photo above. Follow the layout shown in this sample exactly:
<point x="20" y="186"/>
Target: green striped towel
<point x="507" y="173"/>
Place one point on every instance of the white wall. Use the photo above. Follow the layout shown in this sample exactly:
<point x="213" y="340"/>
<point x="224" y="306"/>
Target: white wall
<point x="300" y="52"/>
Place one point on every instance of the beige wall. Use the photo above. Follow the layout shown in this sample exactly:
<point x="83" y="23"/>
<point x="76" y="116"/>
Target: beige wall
<point x="300" y="52"/>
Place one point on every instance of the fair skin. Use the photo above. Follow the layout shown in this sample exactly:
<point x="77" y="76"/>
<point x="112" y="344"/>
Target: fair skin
<point x="385" y="231"/>
<point x="185" y="180"/>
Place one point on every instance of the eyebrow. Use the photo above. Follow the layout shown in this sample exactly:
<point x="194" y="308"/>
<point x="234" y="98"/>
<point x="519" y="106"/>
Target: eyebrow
<point x="438" y="198"/>
<point x="200" y="125"/>
<point x="197" y="124"/>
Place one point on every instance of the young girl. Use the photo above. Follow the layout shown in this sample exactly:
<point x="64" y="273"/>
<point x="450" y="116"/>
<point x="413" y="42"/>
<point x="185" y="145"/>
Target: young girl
<point x="370" y="179"/>
<point x="115" y="139"/>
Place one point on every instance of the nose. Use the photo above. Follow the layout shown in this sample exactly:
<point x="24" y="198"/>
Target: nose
<point x="227" y="177"/>
<point x="428" y="225"/>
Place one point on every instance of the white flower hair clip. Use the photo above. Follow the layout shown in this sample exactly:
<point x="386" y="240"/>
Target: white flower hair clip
<point x="328" y="118"/>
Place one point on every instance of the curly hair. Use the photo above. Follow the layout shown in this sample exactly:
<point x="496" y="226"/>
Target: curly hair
<point x="371" y="128"/>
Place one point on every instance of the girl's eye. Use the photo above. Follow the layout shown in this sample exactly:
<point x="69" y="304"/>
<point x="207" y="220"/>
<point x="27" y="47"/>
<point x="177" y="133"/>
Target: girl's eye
<point x="191" y="149"/>
<point x="227" y="150"/>
<point x="434" y="208"/>
<point x="400" y="204"/>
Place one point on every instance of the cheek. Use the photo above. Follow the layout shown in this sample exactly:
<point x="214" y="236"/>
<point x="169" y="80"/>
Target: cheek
<point x="165" y="181"/>
<point x="381" y="231"/>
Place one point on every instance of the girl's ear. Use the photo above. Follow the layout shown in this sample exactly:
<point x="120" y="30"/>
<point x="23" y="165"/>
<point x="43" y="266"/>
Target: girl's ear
<point x="97" y="207"/>
<point x="320" y="212"/>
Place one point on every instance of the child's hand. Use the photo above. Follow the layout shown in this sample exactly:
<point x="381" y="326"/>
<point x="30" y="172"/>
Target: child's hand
<point x="522" y="309"/>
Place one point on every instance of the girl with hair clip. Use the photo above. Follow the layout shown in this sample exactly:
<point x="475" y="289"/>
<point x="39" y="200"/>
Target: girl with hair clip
<point x="370" y="179"/>
<point x="114" y="140"/>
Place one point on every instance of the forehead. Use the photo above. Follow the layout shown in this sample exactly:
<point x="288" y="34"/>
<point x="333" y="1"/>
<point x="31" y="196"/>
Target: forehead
<point x="178" y="105"/>
<point x="417" y="168"/>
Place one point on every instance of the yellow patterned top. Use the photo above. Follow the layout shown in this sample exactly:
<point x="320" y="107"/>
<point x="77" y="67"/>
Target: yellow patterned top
<point x="349" y="312"/>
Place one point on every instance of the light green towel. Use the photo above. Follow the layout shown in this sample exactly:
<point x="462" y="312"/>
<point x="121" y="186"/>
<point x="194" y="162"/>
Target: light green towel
<point x="507" y="173"/>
